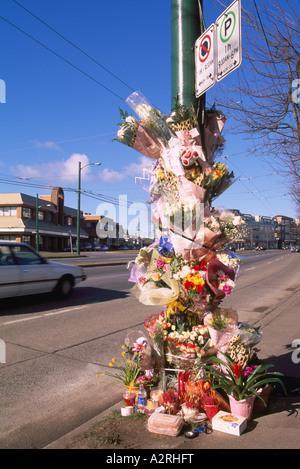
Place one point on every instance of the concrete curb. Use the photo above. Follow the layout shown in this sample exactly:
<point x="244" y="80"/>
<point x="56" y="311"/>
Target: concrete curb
<point x="65" y="441"/>
<point x="274" y="420"/>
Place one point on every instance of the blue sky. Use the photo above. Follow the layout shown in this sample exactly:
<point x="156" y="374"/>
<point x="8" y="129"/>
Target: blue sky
<point x="55" y="115"/>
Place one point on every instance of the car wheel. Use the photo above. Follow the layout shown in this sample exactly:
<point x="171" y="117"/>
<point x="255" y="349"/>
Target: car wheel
<point x="65" y="287"/>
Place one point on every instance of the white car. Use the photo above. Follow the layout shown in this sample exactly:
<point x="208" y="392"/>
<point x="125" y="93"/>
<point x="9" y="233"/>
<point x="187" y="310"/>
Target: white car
<point x="24" y="272"/>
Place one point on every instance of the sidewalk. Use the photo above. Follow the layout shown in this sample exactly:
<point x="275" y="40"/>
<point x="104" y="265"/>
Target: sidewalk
<point x="276" y="428"/>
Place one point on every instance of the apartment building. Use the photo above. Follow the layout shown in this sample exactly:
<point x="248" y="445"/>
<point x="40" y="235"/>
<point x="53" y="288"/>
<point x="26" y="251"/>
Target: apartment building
<point x="269" y="232"/>
<point x="25" y="218"/>
<point x="287" y="231"/>
<point x="106" y="231"/>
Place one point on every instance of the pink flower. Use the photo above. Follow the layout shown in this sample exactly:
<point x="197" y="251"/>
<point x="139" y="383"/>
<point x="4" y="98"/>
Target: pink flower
<point x="149" y="374"/>
<point x="166" y="268"/>
<point x="248" y="370"/>
<point x="227" y="289"/>
<point x="160" y="263"/>
<point x="142" y="279"/>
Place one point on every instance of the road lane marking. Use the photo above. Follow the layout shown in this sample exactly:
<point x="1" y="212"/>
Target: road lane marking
<point x="250" y="268"/>
<point x="52" y="313"/>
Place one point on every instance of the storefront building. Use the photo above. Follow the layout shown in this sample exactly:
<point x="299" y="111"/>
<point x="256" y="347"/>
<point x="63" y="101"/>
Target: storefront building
<point x="25" y="218"/>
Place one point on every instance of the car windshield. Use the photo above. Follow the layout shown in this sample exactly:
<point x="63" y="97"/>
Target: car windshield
<point x="25" y="256"/>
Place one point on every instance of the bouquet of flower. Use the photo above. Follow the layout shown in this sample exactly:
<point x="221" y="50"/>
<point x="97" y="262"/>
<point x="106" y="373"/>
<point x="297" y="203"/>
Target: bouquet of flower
<point x="128" y="129"/>
<point x="217" y="181"/>
<point x="128" y="369"/>
<point x="153" y="121"/>
<point x="222" y="324"/>
<point x="188" y="269"/>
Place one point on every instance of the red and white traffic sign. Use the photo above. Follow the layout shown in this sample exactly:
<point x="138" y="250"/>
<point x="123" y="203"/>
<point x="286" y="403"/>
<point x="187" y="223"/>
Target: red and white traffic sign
<point x="205" y="61"/>
<point x="204" y="48"/>
<point x="219" y="50"/>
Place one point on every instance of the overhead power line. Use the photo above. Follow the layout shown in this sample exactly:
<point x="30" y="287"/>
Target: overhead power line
<point x="62" y="58"/>
<point x="73" y="45"/>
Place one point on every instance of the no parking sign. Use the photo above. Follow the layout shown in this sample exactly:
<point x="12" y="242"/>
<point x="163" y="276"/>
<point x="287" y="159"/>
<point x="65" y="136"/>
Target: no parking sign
<point x="205" y="61"/>
<point x="219" y="50"/>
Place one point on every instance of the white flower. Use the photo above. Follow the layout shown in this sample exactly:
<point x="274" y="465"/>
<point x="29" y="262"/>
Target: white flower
<point x="185" y="271"/>
<point x="121" y="133"/>
<point x="227" y="217"/>
<point x="130" y="120"/>
<point x="214" y="224"/>
<point x="237" y="221"/>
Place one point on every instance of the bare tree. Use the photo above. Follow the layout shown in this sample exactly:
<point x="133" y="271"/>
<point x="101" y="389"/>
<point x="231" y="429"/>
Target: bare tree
<point x="266" y="99"/>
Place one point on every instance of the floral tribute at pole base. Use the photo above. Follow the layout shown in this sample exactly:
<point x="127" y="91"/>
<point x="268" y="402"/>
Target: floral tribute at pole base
<point x="197" y="360"/>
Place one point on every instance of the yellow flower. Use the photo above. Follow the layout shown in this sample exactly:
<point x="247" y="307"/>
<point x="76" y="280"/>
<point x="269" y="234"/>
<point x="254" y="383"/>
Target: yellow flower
<point x="195" y="279"/>
<point x="123" y="354"/>
<point x="110" y="364"/>
<point x="156" y="276"/>
<point x="167" y="260"/>
<point x="217" y="174"/>
<point x="113" y="360"/>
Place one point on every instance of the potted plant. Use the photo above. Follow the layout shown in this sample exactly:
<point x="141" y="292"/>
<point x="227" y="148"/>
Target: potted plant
<point x="241" y="383"/>
<point x="128" y="370"/>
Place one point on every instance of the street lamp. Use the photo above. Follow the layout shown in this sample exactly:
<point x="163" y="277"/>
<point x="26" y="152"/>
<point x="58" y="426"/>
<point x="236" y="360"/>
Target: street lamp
<point x="78" y="208"/>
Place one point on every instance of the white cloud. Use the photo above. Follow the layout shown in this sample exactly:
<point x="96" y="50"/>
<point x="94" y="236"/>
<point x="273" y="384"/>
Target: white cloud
<point x="110" y="175"/>
<point x="136" y="169"/>
<point x="47" y="145"/>
<point x="66" y="171"/>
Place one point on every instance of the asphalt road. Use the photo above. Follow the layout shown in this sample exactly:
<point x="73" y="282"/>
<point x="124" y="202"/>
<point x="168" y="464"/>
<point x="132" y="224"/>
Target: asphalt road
<point x="54" y="349"/>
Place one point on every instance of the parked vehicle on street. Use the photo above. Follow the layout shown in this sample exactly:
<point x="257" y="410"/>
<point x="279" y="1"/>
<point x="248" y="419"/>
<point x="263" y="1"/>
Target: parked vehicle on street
<point x="23" y="271"/>
<point x="104" y="248"/>
<point x="96" y="247"/>
<point x="68" y="249"/>
<point x="86" y="247"/>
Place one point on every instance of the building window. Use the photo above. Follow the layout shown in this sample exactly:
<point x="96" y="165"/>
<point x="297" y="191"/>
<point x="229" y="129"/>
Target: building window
<point x="7" y="238"/>
<point x="27" y="212"/>
<point x="70" y="221"/>
<point x="8" y="211"/>
<point x="26" y="239"/>
<point x="41" y="215"/>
